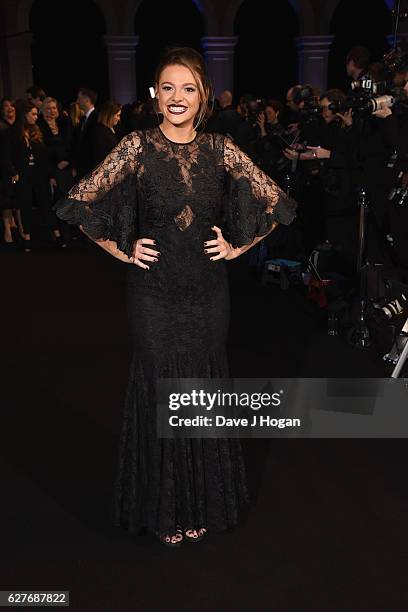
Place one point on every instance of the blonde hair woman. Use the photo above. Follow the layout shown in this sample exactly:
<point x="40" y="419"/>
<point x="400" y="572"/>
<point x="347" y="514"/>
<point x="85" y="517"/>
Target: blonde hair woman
<point x="155" y="203"/>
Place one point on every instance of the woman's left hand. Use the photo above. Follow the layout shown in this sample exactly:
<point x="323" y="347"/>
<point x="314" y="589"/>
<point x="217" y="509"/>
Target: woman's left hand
<point x="292" y="154"/>
<point x="320" y="152"/>
<point x="219" y="246"/>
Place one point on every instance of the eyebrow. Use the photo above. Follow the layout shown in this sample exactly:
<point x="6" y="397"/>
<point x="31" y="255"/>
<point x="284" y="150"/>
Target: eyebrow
<point x="170" y="83"/>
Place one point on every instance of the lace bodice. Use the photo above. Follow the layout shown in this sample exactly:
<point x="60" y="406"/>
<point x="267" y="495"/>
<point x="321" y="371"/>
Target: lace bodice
<point x="148" y="182"/>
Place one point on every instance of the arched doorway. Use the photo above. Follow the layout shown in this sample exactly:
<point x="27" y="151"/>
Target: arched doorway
<point x="72" y="55"/>
<point x="266" y="62"/>
<point x="365" y="23"/>
<point x="163" y="27"/>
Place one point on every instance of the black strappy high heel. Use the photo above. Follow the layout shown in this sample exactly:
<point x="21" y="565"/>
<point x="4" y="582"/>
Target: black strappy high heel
<point x="170" y="541"/>
<point x="195" y="538"/>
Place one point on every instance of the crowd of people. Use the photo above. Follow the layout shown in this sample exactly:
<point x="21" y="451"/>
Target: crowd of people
<point x="44" y="150"/>
<point x="312" y="144"/>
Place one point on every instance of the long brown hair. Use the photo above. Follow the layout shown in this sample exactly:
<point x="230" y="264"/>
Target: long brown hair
<point x="34" y="133"/>
<point x="193" y="60"/>
<point x="107" y="111"/>
<point x="75" y="113"/>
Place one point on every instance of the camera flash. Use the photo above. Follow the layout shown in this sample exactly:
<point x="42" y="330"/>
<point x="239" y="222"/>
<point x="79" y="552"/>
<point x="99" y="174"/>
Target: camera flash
<point x="152" y="94"/>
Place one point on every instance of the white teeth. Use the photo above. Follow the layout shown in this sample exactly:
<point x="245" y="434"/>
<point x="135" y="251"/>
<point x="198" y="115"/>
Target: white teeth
<point x="177" y="109"/>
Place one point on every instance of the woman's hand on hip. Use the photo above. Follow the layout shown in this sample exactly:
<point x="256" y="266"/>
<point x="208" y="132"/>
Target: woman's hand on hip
<point x="218" y="248"/>
<point x="143" y="253"/>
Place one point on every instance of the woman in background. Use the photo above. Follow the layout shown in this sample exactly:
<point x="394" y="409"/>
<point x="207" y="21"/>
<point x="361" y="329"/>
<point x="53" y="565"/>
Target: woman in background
<point x="26" y="165"/>
<point x="103" y="136"/>
<point x="7" y="119"/>
<point x="57" y="135"/>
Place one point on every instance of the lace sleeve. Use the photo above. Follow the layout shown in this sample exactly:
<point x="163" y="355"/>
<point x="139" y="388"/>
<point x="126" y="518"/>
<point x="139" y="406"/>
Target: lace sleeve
<point x="254" y="200"/>
<point x="104" y="202"/>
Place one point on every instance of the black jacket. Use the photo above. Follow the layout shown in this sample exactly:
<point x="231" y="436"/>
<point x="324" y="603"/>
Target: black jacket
<point x="15" y="156"/>
<point x="59" y="145"/>
<point x="228" y="121"/>
<point x="83" y="152"/>
<point x="102" y="141"/>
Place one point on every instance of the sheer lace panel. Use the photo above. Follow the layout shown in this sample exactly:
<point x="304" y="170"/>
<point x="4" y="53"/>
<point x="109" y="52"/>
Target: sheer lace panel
<point x="185" y="218"/>
<point x="185" y="155"/>
<point x="240" y="166"/>
<point x="121" y="161"/>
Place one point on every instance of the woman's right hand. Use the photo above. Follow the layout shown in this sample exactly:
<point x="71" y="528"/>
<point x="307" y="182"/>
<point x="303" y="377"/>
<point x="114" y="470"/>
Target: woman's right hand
<point x="346" y="117"/>
<point x="143" y="253"/>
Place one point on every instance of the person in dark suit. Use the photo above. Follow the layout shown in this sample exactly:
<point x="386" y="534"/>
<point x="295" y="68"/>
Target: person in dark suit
<point x="103" y="137"/>
<point x="228" y="119"/>
<point x="83" y="156"/>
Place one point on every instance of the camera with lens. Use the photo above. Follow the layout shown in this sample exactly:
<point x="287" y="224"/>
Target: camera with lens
<point x="254" y="108"/>
<point x="365" y="99"/>
<point x="309" y="108"/>
<point x="371" y="94"/>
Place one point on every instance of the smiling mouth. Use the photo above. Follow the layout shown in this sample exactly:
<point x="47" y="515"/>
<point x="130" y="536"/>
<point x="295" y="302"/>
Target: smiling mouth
<point x="177" y="110"/>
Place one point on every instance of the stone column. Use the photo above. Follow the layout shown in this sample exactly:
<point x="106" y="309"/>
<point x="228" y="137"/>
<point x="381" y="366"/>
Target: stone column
<point x="313" y="54"/>
<point x="122" y="67"/>
<point x="20" y="68"/>
<point x="219" y="55"/>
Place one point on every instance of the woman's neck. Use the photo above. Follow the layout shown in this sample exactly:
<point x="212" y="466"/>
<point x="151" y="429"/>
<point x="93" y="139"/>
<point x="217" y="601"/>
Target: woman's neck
<point x="178" y="133"/>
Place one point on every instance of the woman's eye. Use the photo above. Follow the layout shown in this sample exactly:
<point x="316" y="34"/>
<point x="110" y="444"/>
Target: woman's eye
<point x="190" y="89"/>
<point x="166" y="87"/>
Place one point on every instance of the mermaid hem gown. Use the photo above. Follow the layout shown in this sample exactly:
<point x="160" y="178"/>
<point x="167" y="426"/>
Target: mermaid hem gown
<point x="151" y="187"/>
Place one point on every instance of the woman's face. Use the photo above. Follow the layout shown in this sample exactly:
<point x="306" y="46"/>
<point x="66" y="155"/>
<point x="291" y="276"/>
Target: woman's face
<point x="327" y="114"/>
<point x="8" y="111"/>
<point x="271" y="115"/>
<point x="50" y="111"/>
<point x="32" y="116"/>
<point x="116" y="118"/>
<point x="178" y="95"/>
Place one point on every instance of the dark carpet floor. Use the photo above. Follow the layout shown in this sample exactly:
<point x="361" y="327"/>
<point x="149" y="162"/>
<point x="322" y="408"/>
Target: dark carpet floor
<point x="329" y="529"/>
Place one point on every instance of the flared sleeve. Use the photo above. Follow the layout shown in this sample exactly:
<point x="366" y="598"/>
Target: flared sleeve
<point x="254" y="202"/>
<point x="105" y="202"/>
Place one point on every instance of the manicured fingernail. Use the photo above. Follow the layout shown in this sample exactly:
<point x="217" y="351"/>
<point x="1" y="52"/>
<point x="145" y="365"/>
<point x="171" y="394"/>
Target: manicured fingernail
<point x="155" y="259"/>
<point x="205" y="250"/>
<point x="205" y="243"/>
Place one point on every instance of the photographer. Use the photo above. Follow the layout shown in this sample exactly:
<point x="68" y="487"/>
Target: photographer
<point x="248" y="131"/>
<point x="305" y="168"/>
<point x="371" y="146"/>
<point x="357" y="62"/>
<point x="228" y="119"/>
<point x="292" y="115"/>
<point x="335" y="156"/>
<point x="325" y="182"/>
<point x="269" y="144"/>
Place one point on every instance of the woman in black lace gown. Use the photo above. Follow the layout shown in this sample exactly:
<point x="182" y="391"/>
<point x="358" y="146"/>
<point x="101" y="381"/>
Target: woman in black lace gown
<point x="156" y="203"/>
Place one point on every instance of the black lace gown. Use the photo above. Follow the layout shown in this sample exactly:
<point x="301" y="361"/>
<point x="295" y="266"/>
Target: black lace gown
<point x="150" y="187"/>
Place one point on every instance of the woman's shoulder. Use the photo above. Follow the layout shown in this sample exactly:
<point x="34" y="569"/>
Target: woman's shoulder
<point x="215" y="140"/>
